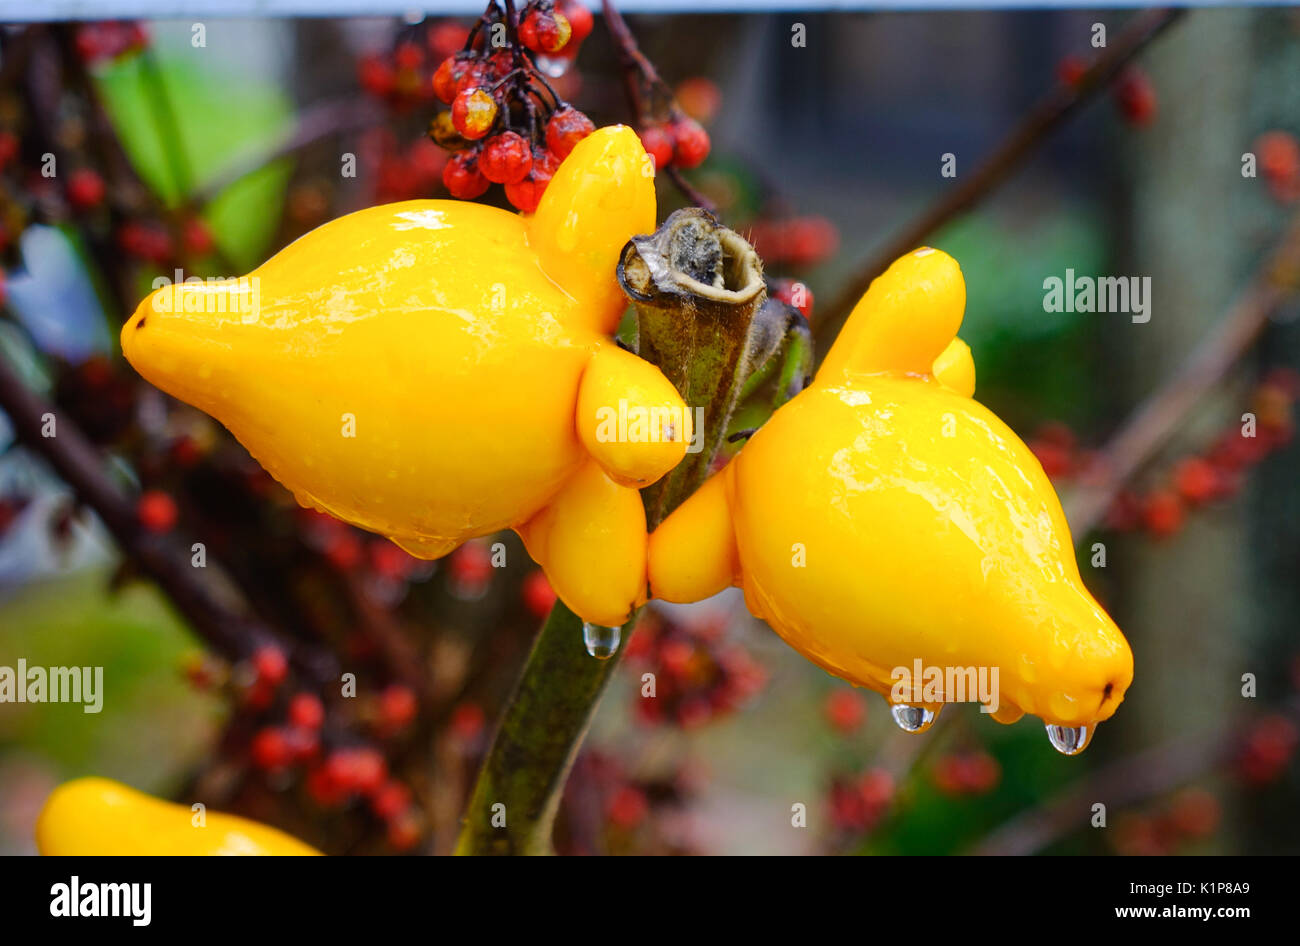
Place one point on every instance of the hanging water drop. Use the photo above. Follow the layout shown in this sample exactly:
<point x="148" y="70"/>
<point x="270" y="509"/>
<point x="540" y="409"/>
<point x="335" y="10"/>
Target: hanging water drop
<point x="601" y="642"/>
<point x="554" y="66"/>
<point x="1069" y="740"/>
<point x="913" y="718"/>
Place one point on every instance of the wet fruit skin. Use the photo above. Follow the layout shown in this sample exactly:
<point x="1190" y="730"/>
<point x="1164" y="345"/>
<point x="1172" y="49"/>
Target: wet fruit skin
<point x="94" y="817"/>
<point x="416" y="369"/>
<point x="926" y="529"/>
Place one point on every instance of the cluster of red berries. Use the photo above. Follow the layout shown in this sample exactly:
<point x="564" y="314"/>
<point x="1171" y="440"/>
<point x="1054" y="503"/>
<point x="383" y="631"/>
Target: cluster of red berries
<point x="1190" y="815"/>
<point x="152" y="241"/>
<point x="1133" y="92"/>
<point x="794" y="241"/>
<point x="601" y="789"/>
<point x="1193" y="481"/>
<point x="1278" y="153"/>
<point x="973" y="772"/>
<point x="678" y="141"/>
<point x="97" y="42"/>
<point x="1268" y="749"/>
<point x="401" y="77"/>
<point x="858" y="802"/>
<point x="506" y="124"/>
<point x="404" y="174"/>
<point x="699" y="675"/>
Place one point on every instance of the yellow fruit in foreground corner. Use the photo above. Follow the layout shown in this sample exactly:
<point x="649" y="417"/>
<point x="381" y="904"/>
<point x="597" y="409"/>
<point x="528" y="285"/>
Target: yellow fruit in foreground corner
<point x="95" y="817"/>
<point x="436" y="370"/>
<point x="898" y="534"/>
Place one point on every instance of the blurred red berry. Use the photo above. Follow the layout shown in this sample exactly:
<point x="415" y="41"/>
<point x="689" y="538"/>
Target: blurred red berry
<point x="85" y="189"/>
<point x="8" y="148"/>
<point x="270" y="666"/>
<point x="344" y="550"/>
<point x="446" y="38"/>
<point x="1196" y="480"/>
<point x="467" y="721"/>
<point x="658" y="144"/>
<point x="539" y="596"/>
<point x="270" y="748"/>
<point x="376" y="75"/>
<point x="699" y="98"/>
<point x="1162" y="513"/>
<point x="462" y="177"/>
<point x="846" y="710"/>
<point x="398" y="706"/>
<point x="390" y="800"/>
<point x="156" y="511"/>
<point x="306" y="711"/>
<point x="408" y="55"/>
<point x="1070" y="70"/>
<point x="795" y="294"/>
<point x="1195" y="812"/>
<point x="1268" y="749"/>
<point x="1057" y="461"/>
<point x="566" y="128"/>
<point x="628" y="807"/>
<point x="1135" y="96"/>
<point x="404" y="831"/>
<point x="580" y="20"/>
<point x="690" y="143"/>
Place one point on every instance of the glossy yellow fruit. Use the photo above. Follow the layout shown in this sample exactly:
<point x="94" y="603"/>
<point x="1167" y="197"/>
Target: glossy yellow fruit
<point x="436" y="370"/>
<point x="883" y="517"/>
<point x="94" y="817"/>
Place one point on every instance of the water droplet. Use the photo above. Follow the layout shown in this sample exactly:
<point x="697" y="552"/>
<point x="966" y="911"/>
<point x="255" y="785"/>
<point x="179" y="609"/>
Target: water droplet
<point x="913" y="718"/>
<point x="554" y="66"/>
<point x="1069" y="740"/>
<point x="601" y="642"/>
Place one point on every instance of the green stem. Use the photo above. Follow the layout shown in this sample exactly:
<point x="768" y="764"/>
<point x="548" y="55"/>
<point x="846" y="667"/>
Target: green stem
<point x="699" y="337"/>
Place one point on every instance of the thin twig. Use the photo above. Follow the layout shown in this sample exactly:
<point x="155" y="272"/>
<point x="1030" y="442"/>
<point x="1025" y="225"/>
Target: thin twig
<point x="635" y="66"/>
<point x="1157" y="418"/>
<point x="1048" y="115"/>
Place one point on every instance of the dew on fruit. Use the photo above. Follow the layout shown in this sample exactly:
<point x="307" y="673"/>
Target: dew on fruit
<point x="1069" y="740"/>
<point x="913" y="718"/>
<point x="601" y="642"/>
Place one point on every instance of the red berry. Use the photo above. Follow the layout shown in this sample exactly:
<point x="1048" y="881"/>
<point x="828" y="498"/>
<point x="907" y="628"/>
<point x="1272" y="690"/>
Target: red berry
<point x="1162" y="513"/>
<point x="306" y="711"/>
<point x="527" y="194"/>
<point x="467" y="721"/>
<point x="85" y="189"/>
<point x="197" y="238"/>
<point x="539" y="596"/>
<point x="795" y="294"/>
<point x="8" y="148"/>
<point x="845" y="710"/>
<point x="344" y="550"/>
<point x="398" y="706"/>
<point x="1196" y="480"/>
<point x="446" y="79"/>
<point x="699" y="98"/>
<point x="473" y="113"/>
<point x="323" y="787"/>
<point x="628" y="807"/>
<point x="1135" y="96"/>
<point x="1279" y="156"/>
<point x="1195" y="812"/>
<point x="462" y="176"/>
<point x="507" y="158"/>
<point x="566" y="128"/>
<point x="390" y="800"/>
<point x="690" y="143"/>
<point x="658" y="145"/>
<point x="270" y="748"/>
<point x="1070" y="70"/>
<point x="447" y="37"/>
<point x="1057" y="461"/>
<point x="404" y="832"/>
<point x="408" y="55"/>
<point x="361" y="769"/>
<point x="270" y="665"/>
<point x="376" y="76"/>
<point x="156" y="511"/>
<point x="545" y="31"/>
<point x="580" y="20"/>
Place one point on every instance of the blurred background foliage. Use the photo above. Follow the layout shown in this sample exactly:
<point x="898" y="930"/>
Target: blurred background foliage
<point x="848" y="133"/>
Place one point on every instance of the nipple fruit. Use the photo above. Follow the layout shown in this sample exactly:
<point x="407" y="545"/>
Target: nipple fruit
<point x="898" y="534"/>
<point x="437" y="370"/>
<point x="95" y="817"/>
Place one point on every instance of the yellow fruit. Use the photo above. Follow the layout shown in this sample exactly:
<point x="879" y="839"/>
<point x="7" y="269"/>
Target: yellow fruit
<point x="881" y="517"/>
<point x="95" y="817"/>
<point x="436" y="370"/>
